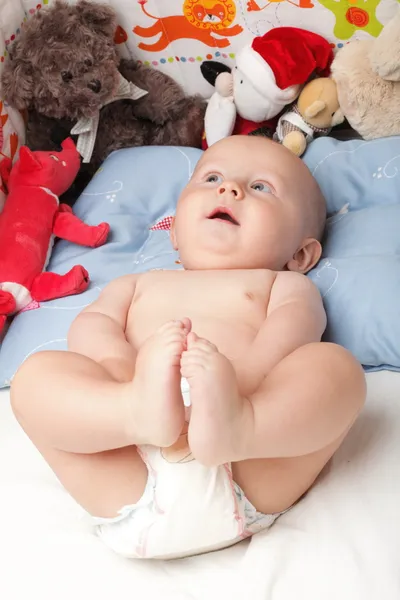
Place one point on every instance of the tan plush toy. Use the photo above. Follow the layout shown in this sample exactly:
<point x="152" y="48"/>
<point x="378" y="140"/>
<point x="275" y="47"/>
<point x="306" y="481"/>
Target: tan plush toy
<point x="317" y="110"/>
<point x="367" y="75"/>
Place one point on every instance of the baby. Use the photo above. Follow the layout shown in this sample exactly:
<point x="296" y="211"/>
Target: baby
<point x="236" y="334"/>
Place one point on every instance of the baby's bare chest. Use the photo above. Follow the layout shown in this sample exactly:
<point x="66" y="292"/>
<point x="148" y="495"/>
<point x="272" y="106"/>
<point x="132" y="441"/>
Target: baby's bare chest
<point x="225" y="307"/>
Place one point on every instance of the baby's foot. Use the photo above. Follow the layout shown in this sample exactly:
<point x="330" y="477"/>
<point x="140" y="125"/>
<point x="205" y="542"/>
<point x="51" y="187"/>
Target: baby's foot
<point x="220" y="417"/>
<point x="156" y="404"/>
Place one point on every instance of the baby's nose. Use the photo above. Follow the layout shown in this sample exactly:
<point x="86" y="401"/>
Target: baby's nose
<point x="231" y="187"/>
<point x="95" y="86"/>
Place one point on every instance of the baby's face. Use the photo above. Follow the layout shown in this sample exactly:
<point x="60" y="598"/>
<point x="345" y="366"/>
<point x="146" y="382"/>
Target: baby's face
<point x="243" y="207"/>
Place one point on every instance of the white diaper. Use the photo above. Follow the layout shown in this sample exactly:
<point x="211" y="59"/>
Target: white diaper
<point x="186" y="508"/>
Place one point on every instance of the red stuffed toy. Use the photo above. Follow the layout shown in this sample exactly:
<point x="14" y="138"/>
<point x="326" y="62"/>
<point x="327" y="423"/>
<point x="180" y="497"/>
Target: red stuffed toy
<point x="31" y="219"/>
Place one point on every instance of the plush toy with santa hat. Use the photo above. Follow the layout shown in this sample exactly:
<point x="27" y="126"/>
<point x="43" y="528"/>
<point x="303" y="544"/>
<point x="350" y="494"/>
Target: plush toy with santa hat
<point x="268" y="75"/>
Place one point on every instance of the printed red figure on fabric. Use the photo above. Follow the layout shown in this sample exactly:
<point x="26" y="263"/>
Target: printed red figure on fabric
<point x="200" y="19"/>
<point x="253" y="6"/>
<point x="31" y="219"/>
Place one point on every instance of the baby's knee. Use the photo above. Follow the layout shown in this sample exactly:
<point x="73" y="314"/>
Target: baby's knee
<point x="347" y="373"/>
<point x="23" y="383"/>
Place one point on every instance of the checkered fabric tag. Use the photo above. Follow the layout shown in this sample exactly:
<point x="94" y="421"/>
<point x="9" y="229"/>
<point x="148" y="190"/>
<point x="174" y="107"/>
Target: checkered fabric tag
<point x="163" y="225"/>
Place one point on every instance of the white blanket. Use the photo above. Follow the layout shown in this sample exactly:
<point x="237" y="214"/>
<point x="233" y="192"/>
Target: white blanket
<point x="342" y="542"/>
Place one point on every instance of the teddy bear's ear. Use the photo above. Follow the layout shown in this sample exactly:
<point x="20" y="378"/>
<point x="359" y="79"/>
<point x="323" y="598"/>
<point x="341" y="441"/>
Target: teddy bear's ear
<point x="385" y="52"/>
<point x="315" y="108"/>
<point x="338" y="117"/>
<point x="99" y="17"/>
<point x="17" y="79"/>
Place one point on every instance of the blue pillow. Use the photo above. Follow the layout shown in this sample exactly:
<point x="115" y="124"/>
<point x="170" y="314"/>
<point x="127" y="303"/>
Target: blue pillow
<point x="136" y="192"/>
<point x="359" y="274"/>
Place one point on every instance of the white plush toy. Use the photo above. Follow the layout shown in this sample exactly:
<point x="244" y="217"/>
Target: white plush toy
<point x="268" y="75"/>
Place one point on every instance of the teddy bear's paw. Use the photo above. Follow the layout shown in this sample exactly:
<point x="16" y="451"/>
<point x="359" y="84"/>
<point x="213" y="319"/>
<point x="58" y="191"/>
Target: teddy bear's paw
<point x="295" y="142"/>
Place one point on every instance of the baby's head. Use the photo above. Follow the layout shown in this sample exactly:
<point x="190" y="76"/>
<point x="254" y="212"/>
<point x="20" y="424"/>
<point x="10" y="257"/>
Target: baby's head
<point x="250" y="204"/>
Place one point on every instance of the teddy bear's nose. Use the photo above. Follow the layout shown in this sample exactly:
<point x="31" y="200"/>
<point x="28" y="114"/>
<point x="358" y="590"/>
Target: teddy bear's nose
<point x="95" y="85"/>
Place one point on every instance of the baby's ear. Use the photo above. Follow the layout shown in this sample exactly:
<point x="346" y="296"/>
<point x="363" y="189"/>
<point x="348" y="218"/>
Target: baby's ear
<point x="172" y="235"/>
<point x="306" y="256"/>
<point x="17" y="79"/>
<point x="99" y="17"/>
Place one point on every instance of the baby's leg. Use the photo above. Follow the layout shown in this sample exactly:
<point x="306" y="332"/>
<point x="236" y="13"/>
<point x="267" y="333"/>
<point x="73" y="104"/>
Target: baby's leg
<point x="86" y="424"/>
<point x="280" y="437"/>
<point x="314" y="395"/>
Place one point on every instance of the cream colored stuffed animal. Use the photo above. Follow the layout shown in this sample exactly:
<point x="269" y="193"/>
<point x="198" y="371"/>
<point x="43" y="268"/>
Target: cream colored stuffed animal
<point x="367" y="75"/>
<point x="315" y="113"/>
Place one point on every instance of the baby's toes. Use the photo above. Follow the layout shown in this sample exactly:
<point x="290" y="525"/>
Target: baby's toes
<point x="190" y="365"/>
<point x="196" y="343"/>
<point x="187" y="325"/>
<point x="206" y="347"/>
<point x="171" y="327"/>
<point x="173" y="332"/>
<point x="176" y="340"/>
<point x="193" y="362"/>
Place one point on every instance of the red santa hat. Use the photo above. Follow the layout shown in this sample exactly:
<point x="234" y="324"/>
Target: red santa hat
<point x="283" y="59"/>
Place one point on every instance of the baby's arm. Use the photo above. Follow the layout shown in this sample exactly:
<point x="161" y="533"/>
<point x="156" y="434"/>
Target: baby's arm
<point x="295" y="317"/>
<point x="99" y="330"/>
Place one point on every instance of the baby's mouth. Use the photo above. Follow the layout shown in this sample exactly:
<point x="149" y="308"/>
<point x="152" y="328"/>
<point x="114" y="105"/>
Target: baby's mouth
<point x="224" y="214"/>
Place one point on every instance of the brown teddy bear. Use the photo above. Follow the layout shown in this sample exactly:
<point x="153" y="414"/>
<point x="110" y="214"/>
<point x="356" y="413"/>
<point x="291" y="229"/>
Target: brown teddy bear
<point x="65" y="71"/>
<point x="316" y="111"/>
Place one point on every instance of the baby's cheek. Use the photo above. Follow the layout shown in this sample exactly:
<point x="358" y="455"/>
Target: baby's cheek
<point x="266" y="216"/>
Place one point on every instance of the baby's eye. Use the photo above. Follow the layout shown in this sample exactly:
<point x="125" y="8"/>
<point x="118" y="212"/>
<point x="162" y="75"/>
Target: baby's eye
<point x="260" y="186"/>
<point x="214" y="178"/>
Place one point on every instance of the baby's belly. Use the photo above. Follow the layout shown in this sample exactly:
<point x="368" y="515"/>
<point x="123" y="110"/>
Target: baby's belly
<point x="232" y="339"/>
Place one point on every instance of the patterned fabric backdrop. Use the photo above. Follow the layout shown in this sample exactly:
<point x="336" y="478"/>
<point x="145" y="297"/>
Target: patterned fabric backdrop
<point x="176" y="35"/>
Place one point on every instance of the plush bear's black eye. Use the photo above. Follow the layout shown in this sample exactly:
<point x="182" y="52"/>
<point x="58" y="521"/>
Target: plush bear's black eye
<point x="88" y="62"/>
<point x="66" y="76"/>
